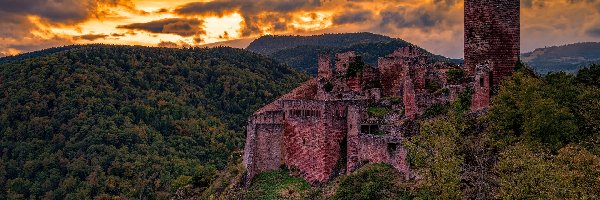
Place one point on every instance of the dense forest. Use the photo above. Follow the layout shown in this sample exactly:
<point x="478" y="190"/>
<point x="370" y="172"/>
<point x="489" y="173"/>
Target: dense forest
<point x="301" y="52"/>
<point x="568" y="58"/>
<point x="130" y="122"/>
<point x="540" y="139"/>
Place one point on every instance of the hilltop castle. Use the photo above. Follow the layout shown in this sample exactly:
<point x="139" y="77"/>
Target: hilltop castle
<point x="358" y="114"/>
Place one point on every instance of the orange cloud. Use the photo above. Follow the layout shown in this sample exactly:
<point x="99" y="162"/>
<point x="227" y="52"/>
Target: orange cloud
<point x="436" y="25"/>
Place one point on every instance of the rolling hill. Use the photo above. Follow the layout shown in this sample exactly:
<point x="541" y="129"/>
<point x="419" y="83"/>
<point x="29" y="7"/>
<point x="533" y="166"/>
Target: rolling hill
<point x="568" y="58"/>
<point x="124" y="121"/>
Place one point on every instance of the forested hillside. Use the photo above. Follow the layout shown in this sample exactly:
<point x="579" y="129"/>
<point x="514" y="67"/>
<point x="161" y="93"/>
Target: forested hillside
<point x="301" y="52"/>
<point x="568" y="58"/>
<point x="129" y="122"/>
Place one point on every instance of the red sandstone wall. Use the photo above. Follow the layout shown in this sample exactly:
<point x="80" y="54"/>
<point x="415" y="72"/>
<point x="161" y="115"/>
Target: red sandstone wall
<point x="268" y="154"/>
<point x="353" y="148"/>
<point x="409" y="97"/>
<point x="342" y="61"/>
<point x="313" y="143"/>
<point x="324" y="68"/>
<point x="492" y="33"/>
<point x="481" y="89"/>
<point x="379" y="149"/>
<point x="390" y="69"/>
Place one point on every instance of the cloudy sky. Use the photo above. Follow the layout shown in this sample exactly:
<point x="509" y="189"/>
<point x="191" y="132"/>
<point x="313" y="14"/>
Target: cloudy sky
<point x="437" y="25"/>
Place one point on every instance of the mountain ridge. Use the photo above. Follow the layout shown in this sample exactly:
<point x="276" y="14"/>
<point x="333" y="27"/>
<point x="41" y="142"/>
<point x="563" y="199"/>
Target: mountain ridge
<point x="568" y="58"/>
<point x="301" y="52"/>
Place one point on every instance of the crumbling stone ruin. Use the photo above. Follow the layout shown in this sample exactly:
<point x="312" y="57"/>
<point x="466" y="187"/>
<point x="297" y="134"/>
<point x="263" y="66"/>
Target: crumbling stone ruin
<point x="352" y="113"/>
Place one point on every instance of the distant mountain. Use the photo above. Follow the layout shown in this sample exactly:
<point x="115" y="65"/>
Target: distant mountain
<point x="301" y="52"/>
<point x="39" y="53"/>
<point x="568" y="58"/>
<point x="105" y="121"/>
<point x="268" y="45"/>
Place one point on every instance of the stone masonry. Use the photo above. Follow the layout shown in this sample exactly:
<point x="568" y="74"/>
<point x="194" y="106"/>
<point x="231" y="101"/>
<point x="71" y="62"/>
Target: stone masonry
<point x="340" y="120"/>
<point x="492" y="35"/>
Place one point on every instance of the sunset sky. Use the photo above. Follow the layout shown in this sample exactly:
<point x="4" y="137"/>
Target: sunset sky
<point x="437" y="25"/>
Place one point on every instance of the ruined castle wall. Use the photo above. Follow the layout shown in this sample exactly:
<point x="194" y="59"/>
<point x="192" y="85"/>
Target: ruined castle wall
<point x="390" y="70"/>
<point x="353" y="144"/>
<point x="409" y="97"/>
<point x="481" y="89"/>
<point x="354" y="83"/>
<point x="314" y="135"/>
<point x="383" y="149"/>
<point x="343" y="61"/>
<point x="248" y="158"/>
<point x="324" y="68"/>
<point x="268" y="153"/>
<point x="419" y="77"/>
<point x="492" y="33"/>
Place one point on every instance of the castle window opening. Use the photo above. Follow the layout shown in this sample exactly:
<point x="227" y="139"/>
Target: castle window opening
<point x="370" y="129"/>
<point x="392" y="147"/>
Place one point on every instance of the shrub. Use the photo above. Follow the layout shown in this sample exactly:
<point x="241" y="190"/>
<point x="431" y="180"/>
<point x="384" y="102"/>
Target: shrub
<point x="432" y="86"/>
<point x="529" y="107"/>
<point x="379" y="111"/>
<point x="278" y="185"/>
<point x="204" y="176"/>
<point x="529" y="171"/>
<point x="455" y="76"/>
<point x="435" y="110"/>
<point x="375" y="181"/>
<point x="355" y="68"/>
<point x="435" y="155"/>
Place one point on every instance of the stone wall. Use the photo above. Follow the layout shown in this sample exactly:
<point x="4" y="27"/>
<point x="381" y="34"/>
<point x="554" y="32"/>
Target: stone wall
<point x="353" y="138"/>
<point x="409" y="97"/>
<point x="390" y="69"/>
<point x="343" y="60"/>
<point x="492" y="33"/>
<point x="315" y="133"/>
<point x="384" y="149"/>
<point x="481" y="89"/>
<point x="324" y="68"/>
<point x="263" y="149"/>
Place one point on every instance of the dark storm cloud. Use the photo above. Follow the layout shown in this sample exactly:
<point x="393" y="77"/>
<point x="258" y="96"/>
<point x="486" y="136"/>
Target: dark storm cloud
<point x="177" y="26"/>
<point x="91" y="37"/>
<point x="594" y="32"/>
<point x="60" y="11"/>
<point x="409" y="18"/>
<point x="353" y="17"/>
<point x="14" y="26"/>
<point x="257" y="14"/>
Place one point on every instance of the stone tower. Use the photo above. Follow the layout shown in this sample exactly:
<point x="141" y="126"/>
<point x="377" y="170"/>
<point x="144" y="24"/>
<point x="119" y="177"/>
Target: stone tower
<point x="492" y="35"/>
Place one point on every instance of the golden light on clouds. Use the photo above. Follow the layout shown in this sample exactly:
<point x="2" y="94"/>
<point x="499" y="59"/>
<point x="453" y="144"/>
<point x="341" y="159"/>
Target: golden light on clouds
<point x="436" y="25"/>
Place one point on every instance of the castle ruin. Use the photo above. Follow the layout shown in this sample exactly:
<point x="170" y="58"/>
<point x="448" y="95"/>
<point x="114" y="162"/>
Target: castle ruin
<point x="352" y="114"/>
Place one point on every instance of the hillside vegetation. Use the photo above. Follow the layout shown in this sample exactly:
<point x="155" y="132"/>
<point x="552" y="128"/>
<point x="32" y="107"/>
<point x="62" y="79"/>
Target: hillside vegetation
<point x="301" y="52"/>
<point x="127" y="122"/>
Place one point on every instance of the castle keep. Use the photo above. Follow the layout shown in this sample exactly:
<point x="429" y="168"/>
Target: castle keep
<point x="352" y="114"/>
<point x="492" y="36"/>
